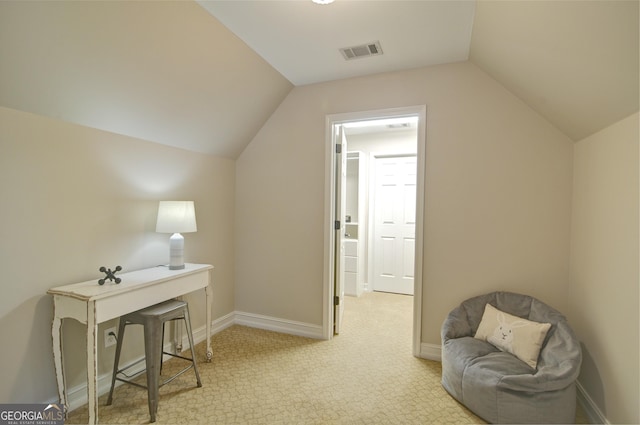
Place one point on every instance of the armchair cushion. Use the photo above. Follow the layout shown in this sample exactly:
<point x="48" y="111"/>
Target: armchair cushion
<point x="520" y="337"/>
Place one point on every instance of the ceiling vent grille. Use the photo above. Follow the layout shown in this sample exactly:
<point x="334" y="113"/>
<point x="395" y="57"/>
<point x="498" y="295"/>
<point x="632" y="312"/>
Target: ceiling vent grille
<point x="362" y="51"/>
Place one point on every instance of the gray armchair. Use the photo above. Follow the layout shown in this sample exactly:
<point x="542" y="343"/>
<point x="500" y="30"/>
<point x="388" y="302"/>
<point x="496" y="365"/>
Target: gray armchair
<point x="496" y="385"/>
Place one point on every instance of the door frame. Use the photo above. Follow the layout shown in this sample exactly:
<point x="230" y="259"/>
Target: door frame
<point x="329" y="212"/>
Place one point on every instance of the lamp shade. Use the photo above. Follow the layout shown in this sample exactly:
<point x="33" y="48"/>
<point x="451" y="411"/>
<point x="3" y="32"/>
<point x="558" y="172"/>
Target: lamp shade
<point x="176" y="217"/>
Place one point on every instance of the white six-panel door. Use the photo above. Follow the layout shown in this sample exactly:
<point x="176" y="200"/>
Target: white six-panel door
<point x="394" y="224"/>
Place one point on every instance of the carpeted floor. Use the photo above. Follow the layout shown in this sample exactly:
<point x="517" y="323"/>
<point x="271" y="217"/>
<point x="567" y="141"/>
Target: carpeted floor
<point x="366" y="375"/>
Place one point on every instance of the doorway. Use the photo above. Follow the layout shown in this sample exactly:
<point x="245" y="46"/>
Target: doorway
<point x="345" y="231"/>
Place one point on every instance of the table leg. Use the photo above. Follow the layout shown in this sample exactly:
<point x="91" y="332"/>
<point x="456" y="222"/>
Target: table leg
<point x="92" y="363"/>
<point x="208" y="297"/>
<point x="177" y="334"/>
<point x="58" y="363"/>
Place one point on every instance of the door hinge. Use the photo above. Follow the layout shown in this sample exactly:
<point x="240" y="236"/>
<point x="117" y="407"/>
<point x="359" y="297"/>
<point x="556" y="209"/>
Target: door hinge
<point x="338" y="148"/>
<point x="336" y="300"/>
<point x="336" y="225"/>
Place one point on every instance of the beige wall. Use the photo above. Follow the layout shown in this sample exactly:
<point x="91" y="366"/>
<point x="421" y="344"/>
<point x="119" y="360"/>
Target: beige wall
<point x="75" y="199"/>
<point x="603" y="296"/>
<point x="498" y="194"/>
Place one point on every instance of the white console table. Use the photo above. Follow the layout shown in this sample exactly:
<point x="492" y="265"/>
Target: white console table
<point x="91" y="304"/>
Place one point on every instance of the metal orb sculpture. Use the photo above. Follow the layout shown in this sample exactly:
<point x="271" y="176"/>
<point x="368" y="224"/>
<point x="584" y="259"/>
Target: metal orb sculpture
<point x="110" y="275"/>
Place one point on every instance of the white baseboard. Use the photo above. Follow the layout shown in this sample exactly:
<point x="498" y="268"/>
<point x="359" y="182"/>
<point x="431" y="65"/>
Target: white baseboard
<point x="431" y="351"/>
<point x="278" y="325"/>
<point x="590" y="408"/>
<point x="218" y="325"/>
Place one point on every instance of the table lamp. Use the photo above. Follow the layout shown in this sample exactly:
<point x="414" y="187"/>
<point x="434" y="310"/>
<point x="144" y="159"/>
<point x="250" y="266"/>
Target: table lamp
<point x="176" y="217"/>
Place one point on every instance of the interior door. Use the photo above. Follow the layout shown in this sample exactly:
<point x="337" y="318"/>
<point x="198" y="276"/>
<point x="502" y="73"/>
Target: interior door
<point x="340" y="212"/>
<point x="394" y="224"/>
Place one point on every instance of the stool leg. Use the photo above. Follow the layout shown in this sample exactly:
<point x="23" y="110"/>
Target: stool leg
<point x="187" y="321"/>
<point x="162" y="349"/>
<point x="153" y="348"/>
<point x="121" y="326"/>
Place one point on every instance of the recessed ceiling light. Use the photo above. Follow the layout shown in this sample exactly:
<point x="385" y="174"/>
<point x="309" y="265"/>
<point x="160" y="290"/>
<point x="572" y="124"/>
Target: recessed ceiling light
<point x="322" y="1"/>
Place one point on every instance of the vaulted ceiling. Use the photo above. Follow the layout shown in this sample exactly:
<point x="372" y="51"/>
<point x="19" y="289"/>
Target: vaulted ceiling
<point x="575" y="62"/>
<point x="206" y="75"/>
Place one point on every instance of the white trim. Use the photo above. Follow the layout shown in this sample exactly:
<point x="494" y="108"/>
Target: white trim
<point x="593" y="412"/>
<point x="327" y="302"/>
<point x="431" y="352"/>
<point x="329" y="246"/>
<point x="217" y="325"/>
<point x="278" y="325"/>
<point x="421" y="186"/>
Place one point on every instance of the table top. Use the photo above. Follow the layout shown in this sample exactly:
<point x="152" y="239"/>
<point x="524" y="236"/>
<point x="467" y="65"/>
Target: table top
<point x="91" y="290"/>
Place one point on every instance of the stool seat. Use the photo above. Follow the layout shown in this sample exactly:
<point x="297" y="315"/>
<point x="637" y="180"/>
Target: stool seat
<point x="153" y="319"/>
<point x="167" y="310"/>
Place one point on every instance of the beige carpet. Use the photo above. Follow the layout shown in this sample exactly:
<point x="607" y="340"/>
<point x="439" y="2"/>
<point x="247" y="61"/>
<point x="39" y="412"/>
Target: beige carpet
<point x="366" y="375"/>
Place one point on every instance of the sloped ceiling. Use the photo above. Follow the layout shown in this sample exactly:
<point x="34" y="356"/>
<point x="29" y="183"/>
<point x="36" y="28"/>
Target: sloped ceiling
<point x="162" y="71"/>
<point x="302" y="39"/>
<point x="575" y="62"/>
<point x="206" y="76"/>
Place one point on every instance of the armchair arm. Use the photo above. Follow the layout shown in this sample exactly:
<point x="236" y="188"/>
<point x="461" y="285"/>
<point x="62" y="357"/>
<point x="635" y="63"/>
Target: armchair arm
<point x="456" y="325"/>
<point x="545" y="379"/>
<point x="558" y="366"/>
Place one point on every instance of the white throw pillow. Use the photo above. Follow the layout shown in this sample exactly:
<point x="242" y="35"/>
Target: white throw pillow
<point x="520" y="337"/>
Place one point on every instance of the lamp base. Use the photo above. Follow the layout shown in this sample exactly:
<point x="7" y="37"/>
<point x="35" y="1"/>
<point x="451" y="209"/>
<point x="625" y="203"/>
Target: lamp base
<point x="176" y="252"/>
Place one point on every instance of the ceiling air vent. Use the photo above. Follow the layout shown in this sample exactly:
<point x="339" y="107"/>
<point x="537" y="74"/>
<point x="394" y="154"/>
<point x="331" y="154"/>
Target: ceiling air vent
<point x="363" y="51"/>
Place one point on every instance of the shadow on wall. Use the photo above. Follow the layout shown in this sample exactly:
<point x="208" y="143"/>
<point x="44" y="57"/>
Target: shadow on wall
<point x="593" y="382"/>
